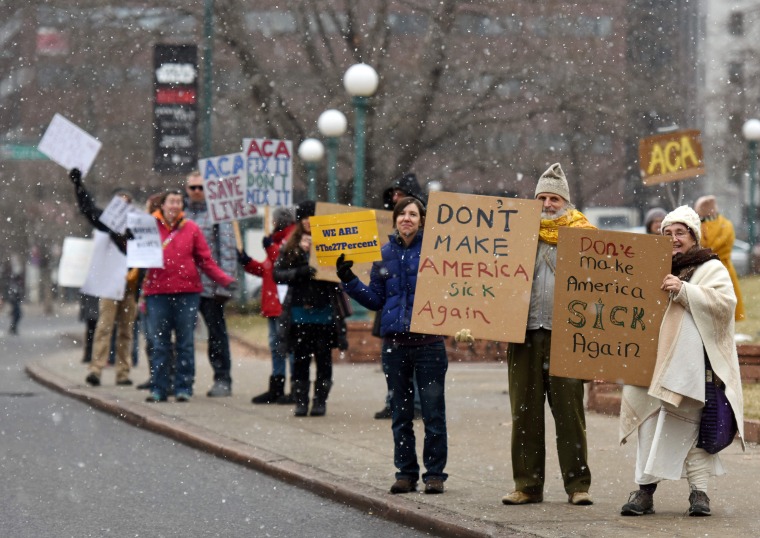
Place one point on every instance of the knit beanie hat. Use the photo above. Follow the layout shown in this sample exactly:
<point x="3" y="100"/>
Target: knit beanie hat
<point x="305" y="210"/>
<point x="686" y="216"/>
<point x="706" y="207"/>
<point x="553" y="181"/>
<point x="654" y="213"/>
<point x="282" y="218"/>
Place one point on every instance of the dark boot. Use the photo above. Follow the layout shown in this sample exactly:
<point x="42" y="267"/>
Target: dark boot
<point x="276" y="386"/>
<point x="301" y="390"/>
<point x="321" y="390"/>
<point x="288" y="399"/>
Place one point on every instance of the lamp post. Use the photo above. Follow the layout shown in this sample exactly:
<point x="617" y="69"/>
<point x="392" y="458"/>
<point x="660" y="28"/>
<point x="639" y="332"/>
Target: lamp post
<point x="311" y="152"/>
<point x="751" y="131"/>
<point x="361" y="82"/>
<point x="332" y="124"/>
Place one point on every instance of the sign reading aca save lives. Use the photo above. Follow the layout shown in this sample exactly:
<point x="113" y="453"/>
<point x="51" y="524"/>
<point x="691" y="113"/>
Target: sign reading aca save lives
<point x="476" y="266"/>
<point x="608" y="305"/>
<point x="224" y="182"/>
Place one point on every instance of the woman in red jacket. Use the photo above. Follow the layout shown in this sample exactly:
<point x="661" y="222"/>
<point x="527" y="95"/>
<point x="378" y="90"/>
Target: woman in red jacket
<point x="284" y="222"/>
<point x="172" y="295"/>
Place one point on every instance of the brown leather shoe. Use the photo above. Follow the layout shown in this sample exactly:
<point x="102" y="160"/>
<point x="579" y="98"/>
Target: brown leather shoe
<point x="520" y="497"/>
<point x="404" y="485"/>
<point x="580" y="498"/>
<point x="434" y="485"/>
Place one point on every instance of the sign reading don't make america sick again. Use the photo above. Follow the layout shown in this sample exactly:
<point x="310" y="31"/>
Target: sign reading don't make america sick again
<point x="476" y="266"/>
<point x="608" y="305"/>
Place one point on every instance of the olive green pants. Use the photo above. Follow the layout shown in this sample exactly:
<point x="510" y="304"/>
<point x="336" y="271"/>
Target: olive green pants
<point x="530" y="385"/>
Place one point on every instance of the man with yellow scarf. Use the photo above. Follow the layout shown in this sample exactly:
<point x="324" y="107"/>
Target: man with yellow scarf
<point x="530" y="384"/>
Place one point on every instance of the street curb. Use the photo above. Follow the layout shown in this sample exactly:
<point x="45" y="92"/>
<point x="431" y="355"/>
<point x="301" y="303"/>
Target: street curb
<point x="398" y="509"/>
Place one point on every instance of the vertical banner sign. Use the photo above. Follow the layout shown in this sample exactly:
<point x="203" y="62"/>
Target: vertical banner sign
<point x="224" y="181"/>
<point x="476" y="266"/>
<point x="175" y="108"/>
<point x="270" y="171"/>
<point x="608" y="305"/>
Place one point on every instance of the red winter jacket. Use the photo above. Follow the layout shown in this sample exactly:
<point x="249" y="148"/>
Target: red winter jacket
<point x="270" y="302"/>
<point x="185" y="250"/>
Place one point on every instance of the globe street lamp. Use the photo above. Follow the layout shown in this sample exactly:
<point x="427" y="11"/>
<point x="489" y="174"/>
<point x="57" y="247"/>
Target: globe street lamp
<point x="311" y="152"/>
<point x="360" y="82"/>
<point x="751" y="131"/>
<point x="332" y="124"/>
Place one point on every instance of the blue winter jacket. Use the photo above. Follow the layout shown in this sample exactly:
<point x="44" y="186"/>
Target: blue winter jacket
<point x="391" y="286"/>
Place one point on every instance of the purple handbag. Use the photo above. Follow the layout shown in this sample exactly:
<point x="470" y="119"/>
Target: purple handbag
<point x="717" y="428"/>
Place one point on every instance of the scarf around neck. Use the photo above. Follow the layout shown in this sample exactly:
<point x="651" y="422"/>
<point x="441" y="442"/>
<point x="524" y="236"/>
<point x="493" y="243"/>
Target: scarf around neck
<point x="685" y="264"/>
<point x="549" y="231"/>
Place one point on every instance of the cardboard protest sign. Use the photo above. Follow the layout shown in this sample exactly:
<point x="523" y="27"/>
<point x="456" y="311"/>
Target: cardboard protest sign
<point x="76" y="256"/>
<point x="269" y="166"/>
<point x="145" y="250"/>
<point x="476" y="266"/>
<point x="224" y="182"/>
<point x="608" y="305"/>
<point x="115" y="214"/>
<point x="353" y="234"/>
<point x="671" y="157"/>
<point x="68" y="145"/>
<point x="361" y="269"/>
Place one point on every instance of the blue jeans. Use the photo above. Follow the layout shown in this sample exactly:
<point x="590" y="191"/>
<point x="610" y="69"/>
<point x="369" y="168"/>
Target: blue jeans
<point x="429" y="364"/>
<point x="278" y="359"/>
<point x="218" y="339"/>
<point x="166" y="314"/>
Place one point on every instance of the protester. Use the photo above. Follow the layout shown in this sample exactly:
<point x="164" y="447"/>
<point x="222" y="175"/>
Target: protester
<point x="405" y="354"/>
<point x="309" y="320"/>
<point x="12" y="282"/>
<point x="221" y="240"/>
<point x="697" y="333"/>
<point x="530" y="384"/>
<point x="172" y="296"/>
<point x="718" y="235"/>
<point x="653" y="219"/>
<point x="113" y="314"/>
<point x="284" y="223"/>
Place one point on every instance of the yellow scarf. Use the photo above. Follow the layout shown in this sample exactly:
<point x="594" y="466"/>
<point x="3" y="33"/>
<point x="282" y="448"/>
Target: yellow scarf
<point x="549" y="232"/>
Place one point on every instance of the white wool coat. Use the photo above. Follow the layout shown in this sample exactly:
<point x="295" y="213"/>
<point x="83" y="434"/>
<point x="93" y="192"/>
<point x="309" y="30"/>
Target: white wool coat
<point x="701" y="314"/>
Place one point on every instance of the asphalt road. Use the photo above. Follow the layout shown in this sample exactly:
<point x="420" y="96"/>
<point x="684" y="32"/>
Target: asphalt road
<point x="70" y="471"/>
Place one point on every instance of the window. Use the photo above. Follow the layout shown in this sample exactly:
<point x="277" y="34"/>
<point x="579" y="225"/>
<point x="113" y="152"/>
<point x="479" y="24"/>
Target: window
<point x="736" y="23"/>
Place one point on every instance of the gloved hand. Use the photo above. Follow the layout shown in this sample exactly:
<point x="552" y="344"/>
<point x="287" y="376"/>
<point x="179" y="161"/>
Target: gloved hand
<point x="243" y="258"/>
<point x="266" y="242"/>
<point x="75" y="175"/>
<point x="343" y="267"/>
<point x="128" y="235"/>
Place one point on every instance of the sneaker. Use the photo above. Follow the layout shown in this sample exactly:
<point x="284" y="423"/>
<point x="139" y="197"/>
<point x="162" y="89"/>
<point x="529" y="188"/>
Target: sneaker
<point x="93" y="380"/>
<point x="124" y="382"/>
<point x="155" y="397"/>
<point x="639" y="503"/>
<point x="385" y="413"/>
<point x="520" y="497"/>
<point x="580" y="498"/>
<point x="183" y="397"/>
<point x="220" y="388"/>
<point x="699" y="503"/>
<point x="434" y="486"/>
<point x="404" y="485"/>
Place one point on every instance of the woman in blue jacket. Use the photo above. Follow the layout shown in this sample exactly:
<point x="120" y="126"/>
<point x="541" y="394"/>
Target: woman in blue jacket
<point x="406" y="354"/>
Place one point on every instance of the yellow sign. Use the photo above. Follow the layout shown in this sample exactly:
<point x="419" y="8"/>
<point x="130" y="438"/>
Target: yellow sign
<point x="353" y="234"/>
<point x="671" y="157"/>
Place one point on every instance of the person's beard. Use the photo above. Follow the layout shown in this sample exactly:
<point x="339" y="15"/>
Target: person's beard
<point x="554" y="216"/>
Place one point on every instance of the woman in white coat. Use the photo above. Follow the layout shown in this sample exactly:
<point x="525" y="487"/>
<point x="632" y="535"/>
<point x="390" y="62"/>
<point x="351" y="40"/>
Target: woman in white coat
<point x="698" y="325"/>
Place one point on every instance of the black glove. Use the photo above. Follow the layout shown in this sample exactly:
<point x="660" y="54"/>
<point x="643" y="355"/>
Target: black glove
<point x="243" y="258"/>
<point x="266" y="242"/>
<point x="343" y="266"/>
<point x="75" y="176"/>
<point x="128" y="235"/>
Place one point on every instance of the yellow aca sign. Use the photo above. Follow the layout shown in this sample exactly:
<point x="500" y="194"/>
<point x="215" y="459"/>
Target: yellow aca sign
<point x="671" y="157"/>
<point x="353" y="234"/>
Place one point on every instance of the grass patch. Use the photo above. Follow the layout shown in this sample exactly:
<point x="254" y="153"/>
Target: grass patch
<point x="750" y="288"/>
<point x="751" y="400"/>
<point x="253" y="328"/>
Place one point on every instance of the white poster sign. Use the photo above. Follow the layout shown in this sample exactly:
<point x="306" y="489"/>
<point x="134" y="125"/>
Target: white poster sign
<point x="270" y="171"/>
<point x="76" y="257"/>
<point x="145" y="250"/>
<point x="115" y="214"/>
<point x="224" y="181"/>
<point x="68" y="145"/>
<point x="107" y="276"/>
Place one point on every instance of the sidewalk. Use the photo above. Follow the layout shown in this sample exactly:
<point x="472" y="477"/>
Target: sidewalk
<point x="347" y="456"/>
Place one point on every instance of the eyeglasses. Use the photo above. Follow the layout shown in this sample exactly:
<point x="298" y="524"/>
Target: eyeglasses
<point x="195" y="187"/>
<point x="680" y="234"/>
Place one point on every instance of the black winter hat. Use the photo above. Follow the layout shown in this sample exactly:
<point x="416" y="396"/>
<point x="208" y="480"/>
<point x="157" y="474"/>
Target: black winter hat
<point x="409" y="185"/>
<point x="305" y="209"/>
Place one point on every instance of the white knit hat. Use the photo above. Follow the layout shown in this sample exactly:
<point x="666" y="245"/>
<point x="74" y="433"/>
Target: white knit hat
<point x="553" y="181"/>
<point x="686" y="216"/>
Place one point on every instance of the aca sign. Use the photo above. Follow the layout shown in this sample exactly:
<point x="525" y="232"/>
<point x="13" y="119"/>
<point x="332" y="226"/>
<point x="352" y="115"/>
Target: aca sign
<point x="671" y="157"/>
